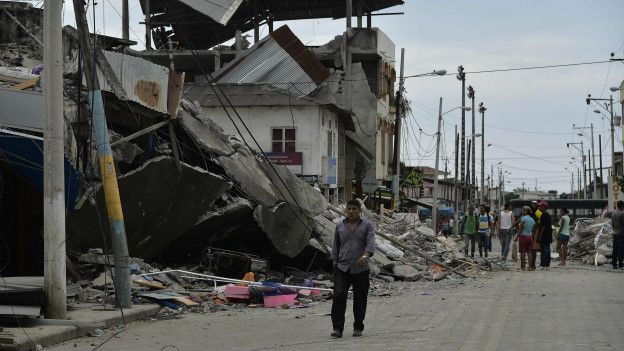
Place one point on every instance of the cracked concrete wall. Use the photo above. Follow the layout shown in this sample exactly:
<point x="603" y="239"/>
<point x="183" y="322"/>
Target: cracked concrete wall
<point x="159" y="205"/>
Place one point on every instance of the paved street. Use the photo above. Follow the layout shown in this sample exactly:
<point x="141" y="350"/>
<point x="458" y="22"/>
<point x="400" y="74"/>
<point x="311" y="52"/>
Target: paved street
<point x="574" y="308"/>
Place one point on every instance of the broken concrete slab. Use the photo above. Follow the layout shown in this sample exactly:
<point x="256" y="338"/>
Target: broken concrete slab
<point x="406" y="273"/>
<point x="287" y="228"/>
<point x="155" y="200"/>
<point x="208" y="135"/>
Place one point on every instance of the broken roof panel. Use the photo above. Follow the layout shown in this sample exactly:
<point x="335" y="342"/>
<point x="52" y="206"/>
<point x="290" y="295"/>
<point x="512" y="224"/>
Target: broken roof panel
<point x="281" y="60"/>
<point x="194" y="29"/>
<point x="219" y="10"/>
<point x="144" y="82"/>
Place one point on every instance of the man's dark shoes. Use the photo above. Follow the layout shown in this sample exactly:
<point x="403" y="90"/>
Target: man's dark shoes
<point x="357" y="333"/>
<point x="336" y="334"/>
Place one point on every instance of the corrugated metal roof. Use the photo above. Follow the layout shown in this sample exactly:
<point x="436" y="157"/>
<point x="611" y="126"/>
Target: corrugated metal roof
<point x="219" y="10"/>
<point x="280" y="60"/>
<point x="144" y="82"/>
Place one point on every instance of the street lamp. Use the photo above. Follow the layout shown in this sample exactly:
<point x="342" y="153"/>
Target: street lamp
<point x="434" y="204"/>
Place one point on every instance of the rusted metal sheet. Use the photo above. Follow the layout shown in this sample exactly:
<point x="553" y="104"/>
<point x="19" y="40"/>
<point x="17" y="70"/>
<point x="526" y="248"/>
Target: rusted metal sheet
<point x="144" y="82"/>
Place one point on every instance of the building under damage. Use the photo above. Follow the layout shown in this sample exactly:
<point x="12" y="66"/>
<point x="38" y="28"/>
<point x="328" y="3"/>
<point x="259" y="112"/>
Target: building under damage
<point x="241" y="147"/>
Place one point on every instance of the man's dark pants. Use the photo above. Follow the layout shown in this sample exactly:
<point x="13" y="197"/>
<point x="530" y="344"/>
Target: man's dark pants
<point x="545" y="254"/>
<point x="617" y="257"/>
<point x="342" y="282"/>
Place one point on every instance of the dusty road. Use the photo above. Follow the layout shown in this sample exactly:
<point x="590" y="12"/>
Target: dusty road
<point x="576" y="308"/>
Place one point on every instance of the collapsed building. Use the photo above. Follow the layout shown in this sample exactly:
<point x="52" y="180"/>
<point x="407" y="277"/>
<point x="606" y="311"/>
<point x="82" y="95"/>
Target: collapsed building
<point x="245" y="162"/>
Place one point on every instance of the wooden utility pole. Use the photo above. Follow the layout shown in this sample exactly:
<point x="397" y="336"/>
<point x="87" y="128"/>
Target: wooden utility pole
<point x="468" y="169"/>
<point x="600" y="159"/>
<point x="55" y="306"/>
<point x="107" y="166"/>
<point x="482" y="110"/>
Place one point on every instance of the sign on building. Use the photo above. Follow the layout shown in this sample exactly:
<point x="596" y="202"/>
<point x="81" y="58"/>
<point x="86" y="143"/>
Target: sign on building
<point x="292" y="160"/>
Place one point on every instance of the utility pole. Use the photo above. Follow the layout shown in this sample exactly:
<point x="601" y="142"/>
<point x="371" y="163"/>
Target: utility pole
<point x="349" y="12"/>
<point x="434" y="204"/>
<point x="125" y="20"/>
<point x="468" y="168"/>
<point x="492" y="186"/>
<point x="54" y="281"/>
<point x="455" y="191"/>
<point x="589" y="170"/>
<point x="482" y="110"/>
<point x="600" y="158"/>
<point x="473" y="179"/>
<point x="613" y="134"/>
<point x="461" y="75"/>
<point x="107" y="165"/>
<point x="578" y="179"/>
<point x="148" y="26"/>
<point x="397" y="135"/>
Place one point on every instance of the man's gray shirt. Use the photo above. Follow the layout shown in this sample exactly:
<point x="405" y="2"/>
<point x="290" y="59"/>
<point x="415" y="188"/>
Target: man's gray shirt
<point x="617" y="221"/>
<point x="349" y="245"/>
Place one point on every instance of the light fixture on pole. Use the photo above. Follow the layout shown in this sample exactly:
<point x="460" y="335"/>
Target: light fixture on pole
<point x="434" y="202"/>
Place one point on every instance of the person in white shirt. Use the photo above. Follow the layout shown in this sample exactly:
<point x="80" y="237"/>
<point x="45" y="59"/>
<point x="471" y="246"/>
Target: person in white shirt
<point x="505" y="222"/>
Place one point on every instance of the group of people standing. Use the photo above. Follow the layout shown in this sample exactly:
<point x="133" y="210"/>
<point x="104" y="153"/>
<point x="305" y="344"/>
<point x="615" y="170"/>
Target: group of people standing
<point x="533" y="233"/>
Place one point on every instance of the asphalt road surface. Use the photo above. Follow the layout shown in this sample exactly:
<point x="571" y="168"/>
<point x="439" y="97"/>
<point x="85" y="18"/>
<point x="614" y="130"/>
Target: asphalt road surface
<point x="573" y="308"/>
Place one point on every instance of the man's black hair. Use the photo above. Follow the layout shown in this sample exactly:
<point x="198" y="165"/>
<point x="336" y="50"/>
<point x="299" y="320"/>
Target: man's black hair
<point x="620" y="204"/>
<point x="354" y="202"/>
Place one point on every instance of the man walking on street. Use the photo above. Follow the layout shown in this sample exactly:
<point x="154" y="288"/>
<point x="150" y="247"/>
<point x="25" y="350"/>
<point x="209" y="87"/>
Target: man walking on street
<point x="564" y="236"/>
<point x="617" y="221"/>
<point x="525" y="236"/>
<point x="469" y="229"/>
<point x="484" y="230"/>
<point x="354" y="243"/>
<point x="536" y="214"/>
<point x="544" y="234"/>
<point x="505" y="221"/>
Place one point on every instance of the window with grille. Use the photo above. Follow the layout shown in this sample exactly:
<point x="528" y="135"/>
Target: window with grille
<point x="283" y="140"/>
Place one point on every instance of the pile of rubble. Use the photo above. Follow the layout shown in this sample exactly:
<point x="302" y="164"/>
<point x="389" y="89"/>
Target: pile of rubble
<point x="592" y="241"/>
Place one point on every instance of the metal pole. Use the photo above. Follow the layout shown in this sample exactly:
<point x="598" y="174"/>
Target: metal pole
<point x="482" y="109"/>
<point x="125" y="20"/>
<point x="434" y="203"/>
<point x="349" y="12"/>
<point x="594" y="163"/>
<point x="54" y="281"/>
<point x="455" y="190"/>
<point x="578" y="180"/>
<point x="107" y="165"/>
<point x="584" y="172"/>
<point x="148" y="28"/>
<point x="600" y="158"/>
<point x="468" y="153"/>
<point x="612" y="139"/>
<point x="462" y="77"/>
<point x="589" y="170"/>
<point x="397" y="133"/>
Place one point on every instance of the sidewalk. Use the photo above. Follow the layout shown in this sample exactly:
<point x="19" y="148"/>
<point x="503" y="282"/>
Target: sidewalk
<point x="89" y="316"/>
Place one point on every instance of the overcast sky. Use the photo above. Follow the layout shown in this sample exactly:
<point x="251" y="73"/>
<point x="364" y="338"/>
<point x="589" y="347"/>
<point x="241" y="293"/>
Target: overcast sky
<point x="529" y="113"/>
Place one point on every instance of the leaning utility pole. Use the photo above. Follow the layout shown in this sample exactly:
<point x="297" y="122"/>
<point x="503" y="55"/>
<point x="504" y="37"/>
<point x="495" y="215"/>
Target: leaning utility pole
<point x="461" y="76"/>
<point x="434" y="202"/>
<point x="473" y="179"/>
<point x="397" y="135"/>
<point x="54" y="281"/>
<point x="107" y="166"/>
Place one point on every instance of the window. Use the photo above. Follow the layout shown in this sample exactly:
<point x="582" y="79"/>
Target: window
<point x="283" y="140"/>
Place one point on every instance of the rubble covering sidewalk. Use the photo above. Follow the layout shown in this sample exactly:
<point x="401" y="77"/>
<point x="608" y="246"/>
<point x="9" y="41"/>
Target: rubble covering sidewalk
<point x="592" y="241"/>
